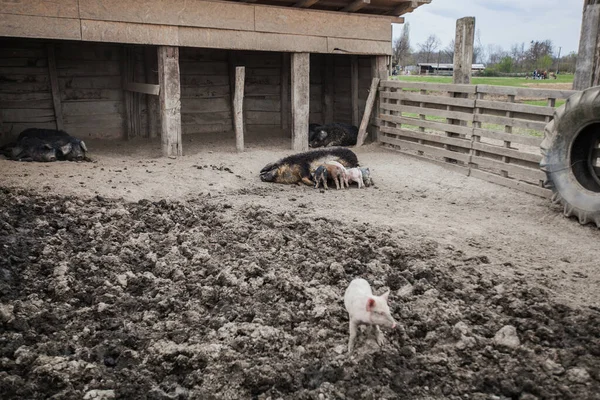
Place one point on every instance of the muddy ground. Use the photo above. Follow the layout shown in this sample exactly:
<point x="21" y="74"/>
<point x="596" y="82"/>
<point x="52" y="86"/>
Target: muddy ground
<point x="142" y="277"/>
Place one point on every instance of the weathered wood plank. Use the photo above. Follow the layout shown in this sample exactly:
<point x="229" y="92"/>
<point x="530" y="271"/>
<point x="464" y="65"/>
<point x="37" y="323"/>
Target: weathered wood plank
<point x="458" y="142"/>
<point x="300" y="78"/>
<point x="39" y="27"/>
<point x="358" y="46"/>
<point x="262" y="104"/>
<point x="534" y="175"/>
<point x="515" y="107"/>
<point x="123" y="32"/>
<point x="222" y="15"/>
<point x="238" y="108"/>
<point x="54" y="86"/>
<point x="514" y="122"/>
<point x="439" y="87"/>
<point x="170" y="105"/>
<point x="508" y="137"/>
<point x="298" y="22"/>
<point x="355" y="5"/>
<point x="247" y="40"/>
<point x="142" y="88"/>
<point x="440" y="126"/>
<point x="285" y="91"/>
<point x="223" y="117"/>
<point x="504" y="151"/>
<point x="203" y="80"/>
<point x="512" y="183"/>
<point x="98" y="121"/>
<point x="206" y="105"/>
<point x="429" y="150"/>
<point x="91" y="107"/>
<point x="463" y="116"/>
<point x="99" y="82"/>
<point x="426" y="98"/>
<point x="354" y="88"/>
<point x="58" y="9"/>
<point x="264" y="118"/>
<point x="328" y="89"/>
<point x="525" y="92"/>
<point x="204" y="92"/>
<point x="26" y="115"/>
<point x="362" y="130"/>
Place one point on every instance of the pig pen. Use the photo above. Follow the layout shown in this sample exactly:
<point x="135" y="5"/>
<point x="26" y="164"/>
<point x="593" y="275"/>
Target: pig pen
<point x="143" y="277"/>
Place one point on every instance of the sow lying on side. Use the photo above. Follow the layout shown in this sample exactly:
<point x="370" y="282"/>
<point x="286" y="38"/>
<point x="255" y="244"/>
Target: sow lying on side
<point x="45" y="145"/>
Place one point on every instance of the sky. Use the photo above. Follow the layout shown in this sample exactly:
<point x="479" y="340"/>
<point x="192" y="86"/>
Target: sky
<point x="500" y="22"/>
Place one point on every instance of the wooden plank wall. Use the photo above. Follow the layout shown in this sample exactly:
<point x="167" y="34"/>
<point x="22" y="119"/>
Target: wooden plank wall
<point x="25" y="95"/>
<point x="489" y="134"/>
<point x="205" y="91"/>
<point x="89" y="77"/>
<point x="342" y="103"/>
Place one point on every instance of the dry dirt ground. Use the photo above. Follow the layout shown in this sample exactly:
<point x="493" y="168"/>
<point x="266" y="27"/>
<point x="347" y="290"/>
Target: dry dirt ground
<point x="137" y="276"/>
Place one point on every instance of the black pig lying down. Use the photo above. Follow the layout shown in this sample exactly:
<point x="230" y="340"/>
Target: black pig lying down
<point x="335" y="134"/>
<point x="298" y="167"/>
<point x="29" y="149"/>
<point x="67" y="147"/>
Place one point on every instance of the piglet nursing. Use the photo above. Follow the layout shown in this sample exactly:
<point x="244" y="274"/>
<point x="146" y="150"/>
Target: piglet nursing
<point x="365" y="308"/>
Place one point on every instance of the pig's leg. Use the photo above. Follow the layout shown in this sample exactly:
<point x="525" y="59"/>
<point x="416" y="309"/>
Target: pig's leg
<point x="353" y="329"/>
<point x="378" y="335"/>
<point x="325" y="183"/>
<point x="336" y="179"/>
<point x="306" y="180"/>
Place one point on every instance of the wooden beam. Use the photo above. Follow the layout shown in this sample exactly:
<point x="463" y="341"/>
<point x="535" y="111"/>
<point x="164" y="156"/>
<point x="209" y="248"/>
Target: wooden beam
<point x="305" y="3"/>
<point x="300" y="100"/>
<point x="145" y="88"/>
<point x="354" y="88"/>
<point x="54" y="86"/>
<point x="378" y="70"/>
<point x="362" y="130"/>
<point x="587" y="68"/>
<point x="355" y="5"/>
<point x="238" y="108"/>
<point x="463" y="50"/>
<point x="285" y="91"/>
<point x="328" y="87"/>
<point x="170" y="103"/>
<point x="408" y="6"/>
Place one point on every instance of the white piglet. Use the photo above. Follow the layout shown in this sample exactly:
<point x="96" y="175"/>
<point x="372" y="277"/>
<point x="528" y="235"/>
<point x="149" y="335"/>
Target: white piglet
<point x="355" y="175"/>
<point x="365" y="308"/>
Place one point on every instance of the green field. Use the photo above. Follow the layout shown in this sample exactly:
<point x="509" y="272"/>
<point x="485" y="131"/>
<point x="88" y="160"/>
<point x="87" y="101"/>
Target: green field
<point x="496" y="81"/>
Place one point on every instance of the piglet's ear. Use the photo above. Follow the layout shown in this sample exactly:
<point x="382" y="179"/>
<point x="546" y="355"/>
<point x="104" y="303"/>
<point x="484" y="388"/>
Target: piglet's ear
<point x="370" y="304"/>
<point x="385" y="296"/>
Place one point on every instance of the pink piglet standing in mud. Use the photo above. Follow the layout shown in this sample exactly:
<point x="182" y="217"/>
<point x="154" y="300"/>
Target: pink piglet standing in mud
<point x="365" y="308"/>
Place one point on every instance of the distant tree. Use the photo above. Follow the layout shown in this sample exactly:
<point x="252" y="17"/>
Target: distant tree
<point x="495" y="53"/>
<point x="544" y="62"/>
<point x="478" y="50"/>
<point x="429" y="47"/>
<point x="506" y="64"/>
<point x="402" y="50"/>
<point x="537" y="50"/>
<point x="448" y="53"/>
<point x="517" y="52"/>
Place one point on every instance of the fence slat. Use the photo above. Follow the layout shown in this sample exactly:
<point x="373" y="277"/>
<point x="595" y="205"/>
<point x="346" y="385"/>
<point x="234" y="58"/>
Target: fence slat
<point x="515" y="122"/>
<point x="503" y="151"/>
<point x="440" y="126"/>
<point x="530" y="173"/>
<point x="510" y="137"/>
<point x="463" y="143"/>
<point x="440" y="87"/>
<point x="516" y="107"/>
<point x="430" y="150"/>
<point x="431" y="99"/>
<point x="526" y="92"/>
<point x="463" y="116"/>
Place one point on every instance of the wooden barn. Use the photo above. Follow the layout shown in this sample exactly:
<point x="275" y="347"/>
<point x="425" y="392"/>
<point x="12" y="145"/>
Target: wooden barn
<point x="148" y="68"/>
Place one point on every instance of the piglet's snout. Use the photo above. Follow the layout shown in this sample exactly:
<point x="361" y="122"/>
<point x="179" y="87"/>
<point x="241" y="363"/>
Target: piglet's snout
<point x="394" y="325"/>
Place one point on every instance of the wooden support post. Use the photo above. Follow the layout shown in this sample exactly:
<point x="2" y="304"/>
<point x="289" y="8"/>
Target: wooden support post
<point x="327" y="82"/>
<point x="354" y="88"/>
<point x="238" y="108"/>
<point x="463" y="50"/>
<point x="151" y="68"/>
<point x="362" y="131"/>
<point x="587" y="70"/>
<point x="54" y="86"/>
<point x="378" y="70"/>
<point x="170" y="104"/>
<point x="300" y="100"/>
<point x="285" y="91"/>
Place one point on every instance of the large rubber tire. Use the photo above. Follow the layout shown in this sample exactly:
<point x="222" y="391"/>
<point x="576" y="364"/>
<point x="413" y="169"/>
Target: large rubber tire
<point x="570" y="156"/>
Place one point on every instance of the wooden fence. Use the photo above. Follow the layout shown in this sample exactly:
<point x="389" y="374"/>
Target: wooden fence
<point x="488" y="132"/>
